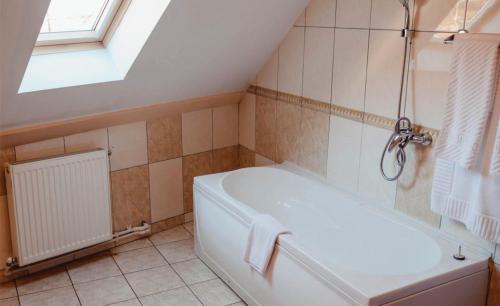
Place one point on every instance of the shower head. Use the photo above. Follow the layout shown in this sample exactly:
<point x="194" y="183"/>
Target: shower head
<point x="406" y="5"/>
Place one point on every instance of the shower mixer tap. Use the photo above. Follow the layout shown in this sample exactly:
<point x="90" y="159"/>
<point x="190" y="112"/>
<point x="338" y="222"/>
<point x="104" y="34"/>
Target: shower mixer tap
<point x="402" y="136"/>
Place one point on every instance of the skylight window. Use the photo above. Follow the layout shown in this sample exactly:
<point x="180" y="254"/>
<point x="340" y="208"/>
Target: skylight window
<point x="77" y="21"/>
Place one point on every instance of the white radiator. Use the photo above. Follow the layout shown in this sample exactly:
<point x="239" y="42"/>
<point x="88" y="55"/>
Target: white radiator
<point x="58" y="205"/>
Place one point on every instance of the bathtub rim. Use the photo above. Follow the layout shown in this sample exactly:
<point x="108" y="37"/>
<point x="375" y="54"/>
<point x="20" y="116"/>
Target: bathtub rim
<point x="211" y="186"/>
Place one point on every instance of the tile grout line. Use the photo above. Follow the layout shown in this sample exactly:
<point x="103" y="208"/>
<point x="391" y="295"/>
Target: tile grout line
<point x="126" y="280"/>
<point x="72" y="284"/>
<point x="187" y="286"/>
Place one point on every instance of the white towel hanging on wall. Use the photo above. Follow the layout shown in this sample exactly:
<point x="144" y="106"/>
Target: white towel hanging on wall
<point x="465" y="188"/>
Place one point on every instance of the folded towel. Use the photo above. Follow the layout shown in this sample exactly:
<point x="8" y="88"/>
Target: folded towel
<point x="471" y="92"/>
<point x="264" y="232"/>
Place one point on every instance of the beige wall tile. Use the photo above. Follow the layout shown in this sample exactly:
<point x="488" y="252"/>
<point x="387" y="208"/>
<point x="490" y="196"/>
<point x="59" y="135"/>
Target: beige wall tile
<point x="226" y="159"/>
<point x="415" y="185"/>
<point x="247" y="157"/>
<point x="86" y="141"/>
<point x="194" y="165"/>
<point x="265" y="127"/>
<point x="40" y="149"/>
<point x="130" y="197"/>
<point x="164" y="138"/>
<point x="487" y="22"/>
<point x="128" y="144"/>
<point x="165" y="184"/>
<point x="349" y="68"/>
<point x="321" y="13"/>
<point x="262" y="161"/>
<point x="291" y="58"/>
<point x="301" y="20"/>
<point x="314" y="141"/>
<point x="428" y="80"/>
<point x="343" y="153"/>
<point x="441" y="16"/>
<point x="494" y="295"/>
<point x="371" y="185"/>
<point x="353" y="13"/>
<point x="167" y="224"/>
<point x="288" y="132"/>
<point x="318" y="61"/>
<point x="6" y="155"/>
<point x="5" y="242"/>
<point x="247" y="121"/>
<point x="388" y="14"/>
<point x="268" y="75"/>
<point x="225" y="121"/>
<point x="385" y="59"/>
<point x="197" y="131"/>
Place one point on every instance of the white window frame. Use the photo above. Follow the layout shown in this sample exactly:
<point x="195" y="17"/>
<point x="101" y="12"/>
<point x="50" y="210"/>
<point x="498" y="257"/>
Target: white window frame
<point x="106" y="18"/>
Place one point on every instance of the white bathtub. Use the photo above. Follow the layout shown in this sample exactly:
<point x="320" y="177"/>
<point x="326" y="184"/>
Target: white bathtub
<point x="340" y="252"/>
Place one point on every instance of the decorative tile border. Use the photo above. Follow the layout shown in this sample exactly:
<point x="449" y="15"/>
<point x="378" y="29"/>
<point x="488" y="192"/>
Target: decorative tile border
<point x="337" y="110"/>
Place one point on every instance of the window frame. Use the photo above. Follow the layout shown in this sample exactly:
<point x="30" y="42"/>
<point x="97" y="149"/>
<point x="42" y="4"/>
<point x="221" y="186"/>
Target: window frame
<point x="106" y="18"/>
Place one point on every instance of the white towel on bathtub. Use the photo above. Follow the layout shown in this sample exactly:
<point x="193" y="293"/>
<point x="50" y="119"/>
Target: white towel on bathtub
<point x="264" y="232"/>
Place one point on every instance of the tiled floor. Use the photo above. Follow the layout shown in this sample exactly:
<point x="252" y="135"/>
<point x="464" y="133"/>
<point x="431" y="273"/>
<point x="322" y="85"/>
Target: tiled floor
<point x="161" y="270"/>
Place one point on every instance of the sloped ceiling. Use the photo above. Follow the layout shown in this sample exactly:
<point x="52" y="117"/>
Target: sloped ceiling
<point x="198" y="48"/>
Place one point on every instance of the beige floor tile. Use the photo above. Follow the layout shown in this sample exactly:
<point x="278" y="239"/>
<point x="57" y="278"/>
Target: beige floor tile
<point x="134" y="245"/>
<point x="214" y="293"/>
<point x="189" y="226"/>
<point x="104" y="291"/>
<point x="239" y="304"/>
<point x="61" y="296"/>
<point x="171" y="235"/>
<point x="154" y="280"/>
<point x="10" y="302"/>
<point x="140" y="259"/>
<point x="54" y="278"/>
<point x="176" y="297"/>
<point x="8" y="290"/>
<point x="93" y="268"/>
<point x="133" y="302"/>
<point x="193" y="271"/>
<point x="178" y="251"/>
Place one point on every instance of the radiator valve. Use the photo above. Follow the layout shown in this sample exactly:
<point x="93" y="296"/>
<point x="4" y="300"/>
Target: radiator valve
<point x="12" y="262"/>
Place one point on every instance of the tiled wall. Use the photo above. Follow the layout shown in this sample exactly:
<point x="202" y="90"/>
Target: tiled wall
<point x="327" y="98"/>
<point x="152" y="164"/>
